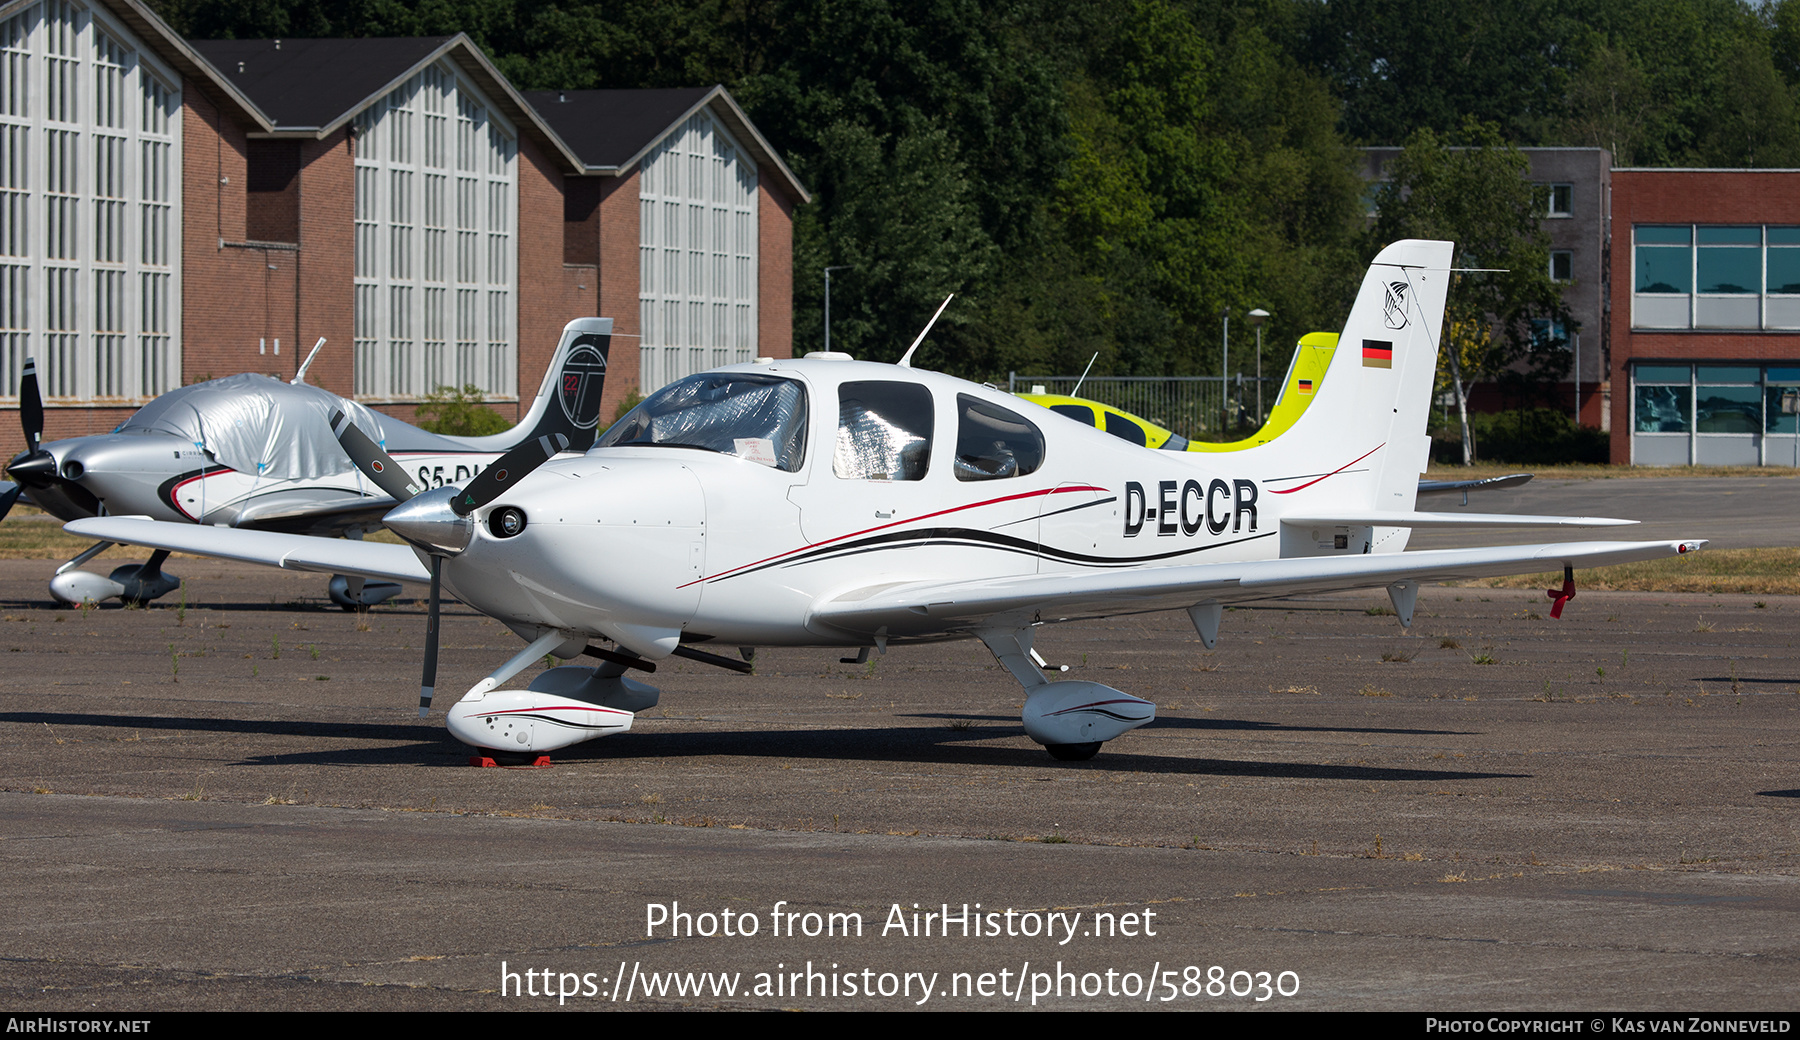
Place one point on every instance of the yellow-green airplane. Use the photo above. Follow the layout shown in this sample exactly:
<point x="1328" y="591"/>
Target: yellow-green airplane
<point x="1307" y="370"/>
<point x="1305" y="373"/>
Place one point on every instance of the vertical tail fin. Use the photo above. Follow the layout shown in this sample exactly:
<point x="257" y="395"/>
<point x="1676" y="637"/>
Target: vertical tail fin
<point x="1363" y="443"/>
<point x="568" y="400"/>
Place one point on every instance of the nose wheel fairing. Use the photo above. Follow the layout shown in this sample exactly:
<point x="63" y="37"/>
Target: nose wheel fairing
<point x="563" y="706"/>
<point x="1071" y="718"/>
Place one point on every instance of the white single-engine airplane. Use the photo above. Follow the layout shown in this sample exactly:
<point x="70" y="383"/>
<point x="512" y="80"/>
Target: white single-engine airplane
<point x="830" y="502"/>
<point x="249" y="451"/>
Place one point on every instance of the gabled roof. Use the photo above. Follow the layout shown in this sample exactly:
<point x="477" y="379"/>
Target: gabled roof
<point x="312" y="87"/>
<point x="317" y="83"/>
<point x="611" y="131"/>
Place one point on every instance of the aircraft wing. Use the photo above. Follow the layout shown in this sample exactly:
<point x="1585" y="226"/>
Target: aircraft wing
<point x="933" y="608"/>
<point x="294" y="552"/>
<point x="320" y="515"/>
<point x="1389" y="518"/>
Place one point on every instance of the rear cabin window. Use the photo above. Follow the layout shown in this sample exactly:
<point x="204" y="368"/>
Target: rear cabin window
<point x="993" y="443"/>
<point x="884" y="431"/>
<point x="1081" y="413"/>
<point x="1125" y="429"/>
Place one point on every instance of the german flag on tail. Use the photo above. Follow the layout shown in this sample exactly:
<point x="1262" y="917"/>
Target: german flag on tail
<point x="1378" y="353"/>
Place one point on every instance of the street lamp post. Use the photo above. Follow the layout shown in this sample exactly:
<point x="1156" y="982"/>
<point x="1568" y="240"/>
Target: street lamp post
<point x="1225" y="372"/>
<point x="828" y="270"/>
<point x="1257" y="317"/>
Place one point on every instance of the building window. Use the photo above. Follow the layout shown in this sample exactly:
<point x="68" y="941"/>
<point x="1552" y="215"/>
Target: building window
<point x="697" y="253"/>
<point x="89" y="160"/>
<point x="1662" y="398"/>
<point x="1548" y="335"/>
<point x="1562" y="265"/>
<point x="1732" y="399"/>
<point x="436" y="286"/>
<point x="1562" y="200"/>
<point x="1715" y="277"/>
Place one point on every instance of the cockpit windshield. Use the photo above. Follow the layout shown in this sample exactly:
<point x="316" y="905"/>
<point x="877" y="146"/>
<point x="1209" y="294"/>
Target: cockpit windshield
<point x="755" y="417"/>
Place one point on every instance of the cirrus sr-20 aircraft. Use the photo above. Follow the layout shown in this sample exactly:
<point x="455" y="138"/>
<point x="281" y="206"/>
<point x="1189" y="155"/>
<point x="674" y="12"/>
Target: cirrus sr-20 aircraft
<point x="829" y="502"/>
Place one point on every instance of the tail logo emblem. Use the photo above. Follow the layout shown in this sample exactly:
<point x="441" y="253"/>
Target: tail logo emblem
<point x="583" y="377"/>
<point x="1395" y="309"/>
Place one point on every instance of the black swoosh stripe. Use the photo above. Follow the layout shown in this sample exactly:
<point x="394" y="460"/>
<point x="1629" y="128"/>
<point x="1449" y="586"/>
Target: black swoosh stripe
<point x="968" y="537"/>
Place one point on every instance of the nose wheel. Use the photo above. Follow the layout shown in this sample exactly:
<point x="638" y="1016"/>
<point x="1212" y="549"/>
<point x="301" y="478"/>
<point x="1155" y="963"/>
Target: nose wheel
<point x="1071" y="718"/>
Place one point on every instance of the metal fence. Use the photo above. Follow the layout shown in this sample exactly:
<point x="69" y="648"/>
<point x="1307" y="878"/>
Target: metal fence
<point x="1197" y="407"/>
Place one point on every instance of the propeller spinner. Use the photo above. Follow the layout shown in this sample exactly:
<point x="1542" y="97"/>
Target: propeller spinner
<point x="437" y="521"/>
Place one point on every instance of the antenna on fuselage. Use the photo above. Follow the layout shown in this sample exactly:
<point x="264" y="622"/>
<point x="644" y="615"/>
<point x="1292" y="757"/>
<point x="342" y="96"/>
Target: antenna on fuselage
<point x="300" y="376"/>
<point x="1077" y="391"/>
<point x="906" y="360"/>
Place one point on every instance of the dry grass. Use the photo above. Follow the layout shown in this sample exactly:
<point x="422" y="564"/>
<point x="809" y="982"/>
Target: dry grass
<point x="1481" y="470"/>
<point x="1773" y="572"/>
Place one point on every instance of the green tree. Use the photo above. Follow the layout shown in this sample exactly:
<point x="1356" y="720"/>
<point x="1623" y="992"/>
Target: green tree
<point x="460" y="413"/>
<point x="1403" y="65"/>
<point x="1478" y="196"/>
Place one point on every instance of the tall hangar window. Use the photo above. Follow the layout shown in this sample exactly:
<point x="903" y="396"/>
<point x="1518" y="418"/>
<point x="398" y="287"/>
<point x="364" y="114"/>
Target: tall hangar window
<point x="436" y="274"/>
<point x="89" y="159"/>
<point x="697" y="255"/>
<point x="1688" y="276"/>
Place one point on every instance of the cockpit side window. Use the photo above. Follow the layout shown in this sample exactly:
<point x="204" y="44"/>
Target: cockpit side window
<point x="884" y="431"/>
<point x="755" y="417"/>
<point x="993" y="443"/>
<point x="1125" y="429"/>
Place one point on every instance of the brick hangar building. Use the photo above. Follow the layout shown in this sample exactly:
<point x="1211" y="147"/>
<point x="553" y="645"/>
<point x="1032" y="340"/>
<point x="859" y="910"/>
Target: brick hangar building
<point x="174" y="210"/>
<point x="1685" y="287"/>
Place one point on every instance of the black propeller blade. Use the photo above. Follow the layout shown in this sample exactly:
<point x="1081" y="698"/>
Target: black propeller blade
<point x="506" y="471"/>
<point x="31" y="406"/>
<point x="9" y="493"/>
<point x="428" y="678"/>
<point x="375" y="463"/>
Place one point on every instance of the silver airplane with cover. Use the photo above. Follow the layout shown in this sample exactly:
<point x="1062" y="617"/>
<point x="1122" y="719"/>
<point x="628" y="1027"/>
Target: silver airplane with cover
<point x="250" y="452"/>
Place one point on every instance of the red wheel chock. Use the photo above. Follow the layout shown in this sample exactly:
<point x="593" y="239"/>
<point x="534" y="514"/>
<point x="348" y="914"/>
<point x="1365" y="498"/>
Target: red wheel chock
<point x="484" y="762"/>
<point x="1564" y="594"/>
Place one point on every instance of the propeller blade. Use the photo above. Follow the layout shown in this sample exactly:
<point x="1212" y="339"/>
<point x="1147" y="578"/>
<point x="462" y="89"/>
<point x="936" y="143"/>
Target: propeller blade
<point x="31" y="406"/>
<point x="428" y="680"/>
<point x="506" y="471"/>
<point x="375" y="464"/>
<point x="9" y="493"/>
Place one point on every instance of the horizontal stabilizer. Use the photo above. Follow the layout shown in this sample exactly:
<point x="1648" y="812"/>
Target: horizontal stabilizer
<point x="1386" y="519"/>
<point x="294" y="552"/>
<point x="1453" y="487"/>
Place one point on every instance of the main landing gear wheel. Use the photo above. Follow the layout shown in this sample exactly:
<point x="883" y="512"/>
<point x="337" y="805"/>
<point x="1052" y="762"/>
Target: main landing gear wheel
<point x="1073" y="752"/>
